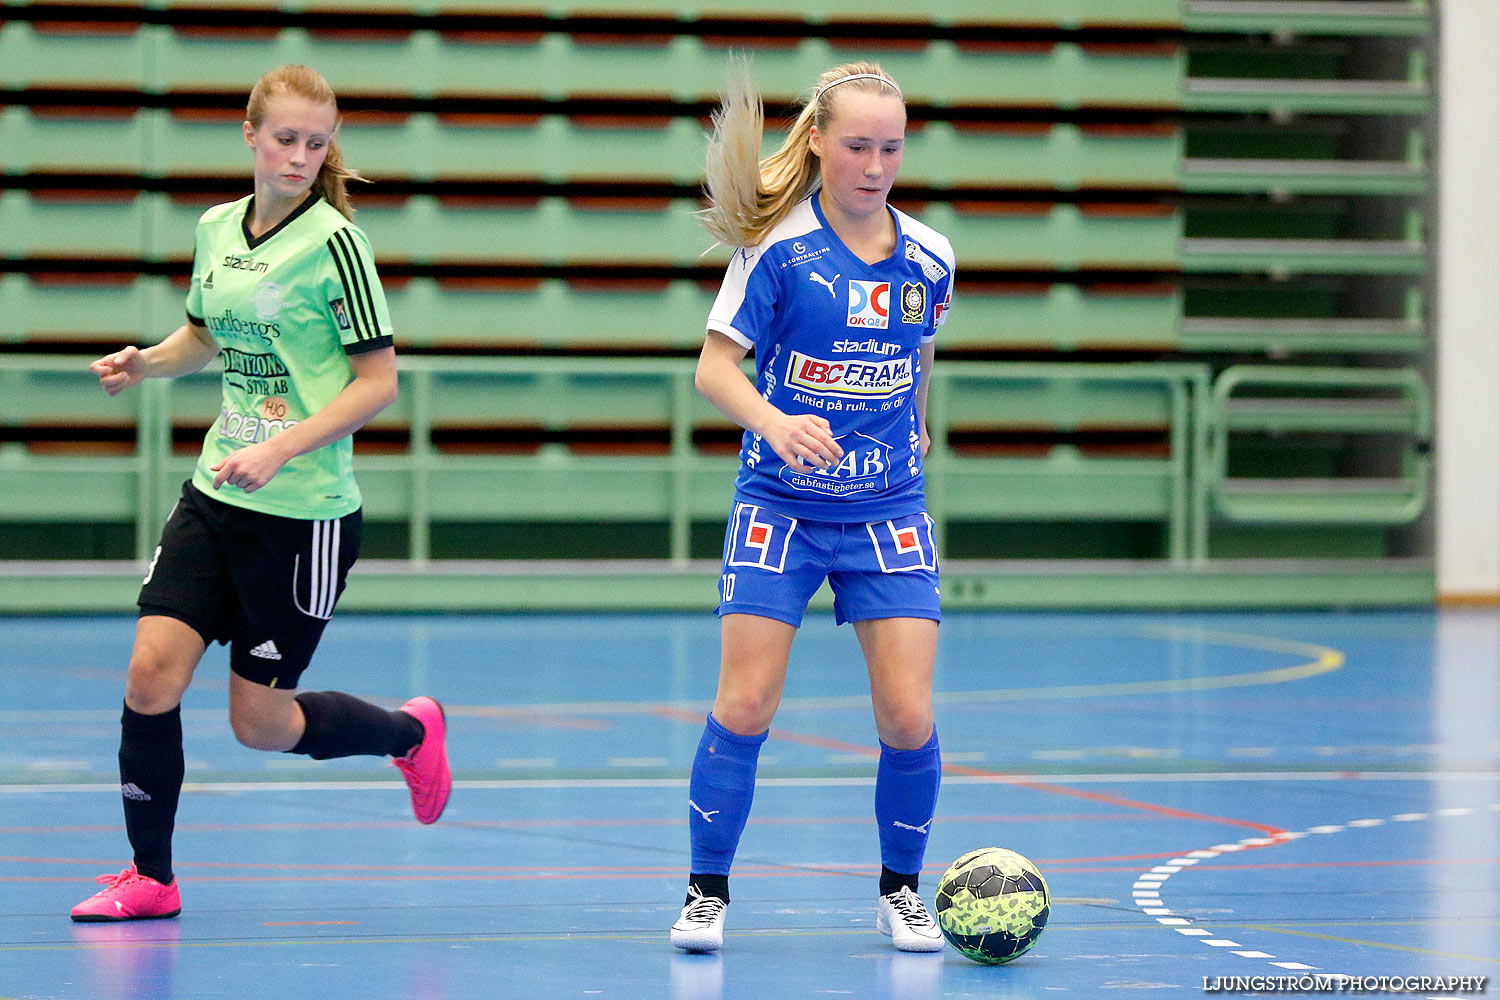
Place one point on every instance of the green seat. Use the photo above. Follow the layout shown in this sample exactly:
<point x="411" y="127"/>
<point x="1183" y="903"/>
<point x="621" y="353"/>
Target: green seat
<point x="552" y="231"/>
<point x="1062" y="155"/>
<point x="554" y="148"/>
<point x="30" y="58"/>
<point x="39" y="227"/>
<point x="38" y="143"/>
<point x="1347" y="97"/>
<point x="83" y="309"/>
<point x="549" y="313"/>
<point x="1064" y="236"/>
<point x="425" y="63"/>
<point x="1320" y="256"/>
<point x="1304" y="335"/>
<point x="1373" y="17"/>
<point x="1066" y="12"/>
<point x="1306" y="177"/>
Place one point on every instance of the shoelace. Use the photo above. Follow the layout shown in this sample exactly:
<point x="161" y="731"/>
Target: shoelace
<point x="703" y="909"/>
<point x="114" y="880"/>
<point x="910" y="906"/>
<point x="408" y="767"/>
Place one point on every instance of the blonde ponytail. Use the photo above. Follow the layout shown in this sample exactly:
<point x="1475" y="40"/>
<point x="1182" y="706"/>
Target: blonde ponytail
<point x="749" y="195"/>
<point x="306" y="82"/>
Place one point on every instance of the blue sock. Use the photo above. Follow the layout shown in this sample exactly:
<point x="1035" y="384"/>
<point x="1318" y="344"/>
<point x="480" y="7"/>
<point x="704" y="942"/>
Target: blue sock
<point x="906" y="789"/>
<point x="719" y="795"/>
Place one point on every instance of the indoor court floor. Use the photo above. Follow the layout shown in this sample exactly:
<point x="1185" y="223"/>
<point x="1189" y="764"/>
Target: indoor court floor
<point x="1209" y="796"/>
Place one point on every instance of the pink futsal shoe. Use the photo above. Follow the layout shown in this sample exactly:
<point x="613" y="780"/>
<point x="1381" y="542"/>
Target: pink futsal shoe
<point x="426" y="766"/>
<point x="129" y="896"/>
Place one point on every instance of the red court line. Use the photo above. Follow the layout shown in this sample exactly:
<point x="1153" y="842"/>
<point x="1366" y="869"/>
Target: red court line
<point x="1085" y="864"/>
<point x="582" y="870"/>
<point x="210" y="827"/>
<point x="564" y="875"/>
<point x="535" y="824"/>
<point x="824" y="743"/>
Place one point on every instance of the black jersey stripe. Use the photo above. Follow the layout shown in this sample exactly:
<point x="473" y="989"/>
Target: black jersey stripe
<point x="361" y="281"/>
<point x="356" y="320"/>
<point x="363" y="318"/>
<point x="361" y="312"/>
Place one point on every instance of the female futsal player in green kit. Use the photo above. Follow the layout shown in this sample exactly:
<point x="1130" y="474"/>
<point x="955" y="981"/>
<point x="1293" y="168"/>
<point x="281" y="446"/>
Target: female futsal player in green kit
<point x="256" y="551"/>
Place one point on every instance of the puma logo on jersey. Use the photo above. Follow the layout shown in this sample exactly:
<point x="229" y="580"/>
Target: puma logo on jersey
<point x="815" y="276"/>
<point x="907" y="826"/>
<point x="708" y="817"/>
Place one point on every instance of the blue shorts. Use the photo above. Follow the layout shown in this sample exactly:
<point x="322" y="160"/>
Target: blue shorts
<point x="773" y="564"/>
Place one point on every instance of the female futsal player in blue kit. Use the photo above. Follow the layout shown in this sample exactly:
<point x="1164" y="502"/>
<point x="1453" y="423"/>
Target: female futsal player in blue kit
<point x="840" y="296"/>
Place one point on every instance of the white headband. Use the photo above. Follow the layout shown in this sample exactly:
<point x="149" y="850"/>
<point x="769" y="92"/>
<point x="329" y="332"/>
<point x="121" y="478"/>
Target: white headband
<point x="856" y="76"/>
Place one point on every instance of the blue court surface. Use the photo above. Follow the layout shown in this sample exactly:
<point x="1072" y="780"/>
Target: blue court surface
<point x="1209" y="796"/>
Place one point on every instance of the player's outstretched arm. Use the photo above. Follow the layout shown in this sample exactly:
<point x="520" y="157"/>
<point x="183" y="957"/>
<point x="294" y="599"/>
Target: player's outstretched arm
<point x="184" y="351"/>
<point x="803" y="440"/>
<point x="372" y="389"/>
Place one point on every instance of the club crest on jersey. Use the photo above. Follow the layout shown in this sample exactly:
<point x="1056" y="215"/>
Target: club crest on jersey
<point x="913" y="302"/>
<point x="869" y="304"/>
<point x="340" y="310"/>
<point x="267" y="300"/>
<point x="860" y="379"/>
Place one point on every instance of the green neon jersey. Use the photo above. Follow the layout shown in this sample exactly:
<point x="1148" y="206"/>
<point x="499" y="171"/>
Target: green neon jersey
<point x="286" y="309"/>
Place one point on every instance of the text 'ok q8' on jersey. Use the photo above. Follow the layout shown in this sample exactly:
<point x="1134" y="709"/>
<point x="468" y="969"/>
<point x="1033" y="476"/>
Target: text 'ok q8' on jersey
<point x="839" y="338"/>
<point x="286" y="309"/>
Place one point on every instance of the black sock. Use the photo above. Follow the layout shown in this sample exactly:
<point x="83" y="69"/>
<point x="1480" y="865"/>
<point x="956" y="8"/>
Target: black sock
<point x="340" y="725"/>
<point x="709" y="885"/>
<point x="151" y="771"/>
<point x="893" y="881"/>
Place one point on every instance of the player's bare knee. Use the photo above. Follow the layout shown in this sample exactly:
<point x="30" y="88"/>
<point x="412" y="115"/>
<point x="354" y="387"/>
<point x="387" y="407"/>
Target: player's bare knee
<point x="906" y="730"/>
<point x="152" y="684"/>
<point x="259" y="732"/>
<point x="745" y="715"/>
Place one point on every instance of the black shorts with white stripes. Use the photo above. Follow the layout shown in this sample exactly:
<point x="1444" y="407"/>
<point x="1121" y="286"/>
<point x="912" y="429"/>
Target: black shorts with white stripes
<point x="266" y="585"/>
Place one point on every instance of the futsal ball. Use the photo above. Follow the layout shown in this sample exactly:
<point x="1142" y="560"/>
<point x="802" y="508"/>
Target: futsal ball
<point x="992" y="905"/>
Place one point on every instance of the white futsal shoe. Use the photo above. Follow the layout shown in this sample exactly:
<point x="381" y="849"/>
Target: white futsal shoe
<point x="904" y="916"/>
<point x="701" y="926"/>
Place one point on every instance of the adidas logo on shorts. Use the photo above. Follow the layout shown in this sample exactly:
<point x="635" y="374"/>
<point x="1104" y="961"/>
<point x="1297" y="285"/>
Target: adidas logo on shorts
<point x="132" y="792"/>
<point x="266" y="651"/>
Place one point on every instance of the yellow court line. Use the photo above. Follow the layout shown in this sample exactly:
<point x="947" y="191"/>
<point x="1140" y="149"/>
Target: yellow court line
<point x="1321" y="660"/>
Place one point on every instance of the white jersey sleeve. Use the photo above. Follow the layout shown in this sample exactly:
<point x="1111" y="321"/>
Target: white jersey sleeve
<point x="747" y="299"/>
<point x="934" y="253"/>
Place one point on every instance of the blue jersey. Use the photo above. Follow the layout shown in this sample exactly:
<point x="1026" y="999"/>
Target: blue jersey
<point x="837" y="337"/>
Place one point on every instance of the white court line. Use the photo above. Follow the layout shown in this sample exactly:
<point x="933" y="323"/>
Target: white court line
<point x="830" y="782"/>
<point x="1152" y="905"/>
